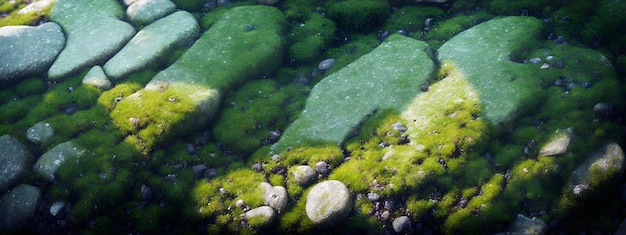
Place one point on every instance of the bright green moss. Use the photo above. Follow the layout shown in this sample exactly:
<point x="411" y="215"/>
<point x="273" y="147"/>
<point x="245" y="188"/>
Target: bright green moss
<point x="358" y="14"/>
<point x="15" y="110"/>
<point x="31" y="86"/>
<point x="252" y="112"/>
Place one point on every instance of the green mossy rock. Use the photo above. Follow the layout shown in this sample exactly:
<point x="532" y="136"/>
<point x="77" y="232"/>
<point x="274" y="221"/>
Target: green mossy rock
<point x="244" y="44"/>
<point x="485" y="55"/>
<point x="378" y="80"/>
<point x="94" y="32"/>
<point x="309" y="39"/>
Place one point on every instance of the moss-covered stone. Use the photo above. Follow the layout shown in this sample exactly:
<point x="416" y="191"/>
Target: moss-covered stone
<point x="376" y="81"/>
<point x="499" y="75"/>
<point x="186" y="95"/>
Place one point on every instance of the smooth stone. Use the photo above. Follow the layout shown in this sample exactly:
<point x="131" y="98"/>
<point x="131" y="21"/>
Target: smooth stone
<point x="328" y="203"/>
<point x="18" y="206"/>
<point x="50" y="161"/>
<point x="558" y="145"/>
<point x="506" y="87"/>
<point x="96" y="77"/>
<point x="322" y="168"/>
<point x="373" y="196"/>
<point x="265" y="212"/>
<point x="388" y="77"/>
<point x="40" y="132"/>
<point x="152" y="43"/>
<point x="603" y="165"/>
<point x="401" y="223"/>
<point x="398" y="127"/>
<point x="28" y="50"/>
<point x="526" y="226"/>
<point x="326" y="64"/>
<point x="37" y="6"/>
<point x="304" y="175"/>
<point x="94" y="31"/>
<point x="144" y="12"/>
<point x="275" y="197"/>
<point x="224" y="56"/>
<point x="56" y="208"/>
<point x="13" y="156"/>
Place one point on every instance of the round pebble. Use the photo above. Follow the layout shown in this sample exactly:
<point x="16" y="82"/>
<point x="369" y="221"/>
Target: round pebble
<point x="322" y="168"/>
<point x="326" y="64"/>
<point x="401" y="223"/>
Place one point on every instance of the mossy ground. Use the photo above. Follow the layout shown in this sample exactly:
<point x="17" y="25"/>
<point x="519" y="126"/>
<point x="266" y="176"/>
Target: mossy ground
<point x="453" y="175"/>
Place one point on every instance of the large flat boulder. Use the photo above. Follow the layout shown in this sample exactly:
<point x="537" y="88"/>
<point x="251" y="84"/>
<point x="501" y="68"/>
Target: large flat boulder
<point x="94" y="31"/>
<point x="389" y="77"/>
<point x="28" y="50"/>
<point x="243" y="44"/>
<point x="153" y="42"/>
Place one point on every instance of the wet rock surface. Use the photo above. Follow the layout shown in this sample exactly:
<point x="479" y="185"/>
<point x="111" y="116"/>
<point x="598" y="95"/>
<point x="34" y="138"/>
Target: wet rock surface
<point x="28" y="50"/>
<point x="40" y="132"/>
<point x="13" y="157"/>
<point x="153" y="42"/>
<point x="85" y="24"/>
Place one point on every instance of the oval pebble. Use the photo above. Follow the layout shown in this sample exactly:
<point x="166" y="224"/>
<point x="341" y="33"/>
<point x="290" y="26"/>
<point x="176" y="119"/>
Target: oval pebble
<point x="326" y="64"/>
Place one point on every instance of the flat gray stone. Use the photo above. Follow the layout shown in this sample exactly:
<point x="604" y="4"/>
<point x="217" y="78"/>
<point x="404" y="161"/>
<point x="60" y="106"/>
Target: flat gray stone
<point x="96" y="77"/>
<point x="401" y="223"/>
<point x="28" y="50"/>
<point x="39" y="132"/>
<point x="328" y="203"/>
<point x="144" y="12"/>
<point x="18" y="206"/>
<point x="13" y="156"/>
<point x="94" y="31"/>
<point x="275" y="197"/>
<point x="154" y="41"/>
<point x="48" y="164"/>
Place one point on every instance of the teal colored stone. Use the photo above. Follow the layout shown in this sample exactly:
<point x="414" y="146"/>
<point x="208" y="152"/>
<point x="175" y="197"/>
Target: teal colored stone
<point x="152" y="43"/>
<point x="243" y="44"/>
<point x="94" y="32"/>
<point x="144" y="12"/>
<point x="485" y="56"/>
<point x="386" y="78"/>
<point x="28" y="50"/>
